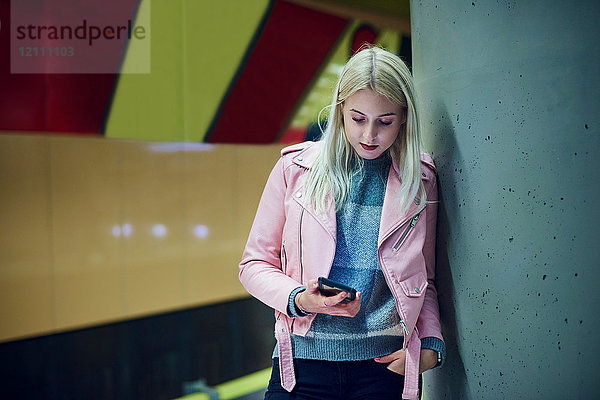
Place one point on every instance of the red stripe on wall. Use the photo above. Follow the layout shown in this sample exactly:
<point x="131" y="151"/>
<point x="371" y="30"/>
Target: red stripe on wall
<point x="292" y="46"/>
<point x="74" y="103"/>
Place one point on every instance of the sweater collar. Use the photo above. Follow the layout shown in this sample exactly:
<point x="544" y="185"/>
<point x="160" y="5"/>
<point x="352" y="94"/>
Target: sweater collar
<point x="379" y="164"/>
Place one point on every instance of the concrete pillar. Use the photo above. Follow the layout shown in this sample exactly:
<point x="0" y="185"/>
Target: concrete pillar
<point x="510" y="93"/>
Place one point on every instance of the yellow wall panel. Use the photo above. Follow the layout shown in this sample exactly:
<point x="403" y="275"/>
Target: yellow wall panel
<point x="96" y="230"/>
<point x="85" y="185"/>
<point x="223" y="185"/>
<point x="210" y="219"/>
<point x="153" y="208"/>
<point x="256" y="163"/>
<point x="25" y="250"/>
<point x="26" y="306"/>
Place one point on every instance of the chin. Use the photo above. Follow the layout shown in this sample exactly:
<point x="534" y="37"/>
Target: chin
<point x="370" y="156"/>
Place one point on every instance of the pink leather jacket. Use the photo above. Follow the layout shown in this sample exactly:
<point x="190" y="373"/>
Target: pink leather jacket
<point x="290" y="243"/>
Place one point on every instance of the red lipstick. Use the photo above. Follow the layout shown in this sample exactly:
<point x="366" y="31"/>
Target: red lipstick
<point x="368" y="148"/>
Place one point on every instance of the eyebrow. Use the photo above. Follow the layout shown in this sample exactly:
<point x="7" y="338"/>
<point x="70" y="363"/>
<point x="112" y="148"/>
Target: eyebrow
<point x="382" y="115"/>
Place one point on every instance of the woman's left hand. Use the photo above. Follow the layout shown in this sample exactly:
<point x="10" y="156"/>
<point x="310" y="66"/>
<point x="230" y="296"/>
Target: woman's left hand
<point x="396" y="360"/>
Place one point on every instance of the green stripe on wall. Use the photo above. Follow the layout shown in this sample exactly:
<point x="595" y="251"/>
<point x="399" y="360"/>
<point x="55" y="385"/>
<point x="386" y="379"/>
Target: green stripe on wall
<point x="196" y="48"/>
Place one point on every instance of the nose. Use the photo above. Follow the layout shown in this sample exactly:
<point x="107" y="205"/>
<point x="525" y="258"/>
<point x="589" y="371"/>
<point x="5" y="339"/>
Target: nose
<point x="370" y="132"/>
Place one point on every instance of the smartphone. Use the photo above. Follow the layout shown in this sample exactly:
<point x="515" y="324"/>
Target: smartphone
<point x="330" y="288"/>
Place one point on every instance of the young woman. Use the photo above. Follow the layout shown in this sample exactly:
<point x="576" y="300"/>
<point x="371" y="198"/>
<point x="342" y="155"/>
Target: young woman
<point x="358" y="207"/>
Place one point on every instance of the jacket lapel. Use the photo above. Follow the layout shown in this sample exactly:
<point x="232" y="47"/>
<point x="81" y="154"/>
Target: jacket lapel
<point x="392" y="216"/>
<point x="326" y="219"/>
<point x="305" y="159"/>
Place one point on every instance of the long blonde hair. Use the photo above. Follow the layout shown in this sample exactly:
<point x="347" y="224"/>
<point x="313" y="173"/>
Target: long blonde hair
<point x="385" y="73"/>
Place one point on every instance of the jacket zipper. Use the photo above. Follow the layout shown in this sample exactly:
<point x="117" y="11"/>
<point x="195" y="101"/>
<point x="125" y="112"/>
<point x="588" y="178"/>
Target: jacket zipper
<point x="405" y="329"/>
<point x="284" y="257"/>
<point x="412" y="224"/>
<point x="300" y="259"/>
<point x="300" y="250"/>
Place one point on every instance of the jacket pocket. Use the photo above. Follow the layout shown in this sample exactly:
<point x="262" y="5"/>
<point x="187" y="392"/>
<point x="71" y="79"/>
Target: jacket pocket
<point x="415" y="285"/>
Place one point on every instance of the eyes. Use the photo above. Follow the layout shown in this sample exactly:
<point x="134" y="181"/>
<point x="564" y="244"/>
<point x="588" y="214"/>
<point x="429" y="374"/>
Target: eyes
<point x="384" y="122"/>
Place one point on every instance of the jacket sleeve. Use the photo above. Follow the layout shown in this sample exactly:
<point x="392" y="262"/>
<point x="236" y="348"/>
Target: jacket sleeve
<point x="428" y="322"/>
<point x="260" y="269"/>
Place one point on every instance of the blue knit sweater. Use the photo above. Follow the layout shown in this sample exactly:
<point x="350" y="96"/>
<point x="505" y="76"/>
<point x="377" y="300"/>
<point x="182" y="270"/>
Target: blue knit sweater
<point x="375" y="331"/>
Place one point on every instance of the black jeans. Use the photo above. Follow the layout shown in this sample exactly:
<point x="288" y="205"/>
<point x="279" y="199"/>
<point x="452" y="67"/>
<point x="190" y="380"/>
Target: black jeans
<point x="333" y="380"/>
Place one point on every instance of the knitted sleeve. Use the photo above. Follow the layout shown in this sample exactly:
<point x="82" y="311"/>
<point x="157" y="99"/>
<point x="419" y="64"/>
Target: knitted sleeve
<point x="435" y="344"/>
<point x="293" y="310"/>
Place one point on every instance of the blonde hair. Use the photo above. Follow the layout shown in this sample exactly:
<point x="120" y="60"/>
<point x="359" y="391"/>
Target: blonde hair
<point x="384" y="73"/>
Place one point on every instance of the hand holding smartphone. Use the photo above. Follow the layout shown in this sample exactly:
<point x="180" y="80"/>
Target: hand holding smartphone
<point x="330" y="288"/>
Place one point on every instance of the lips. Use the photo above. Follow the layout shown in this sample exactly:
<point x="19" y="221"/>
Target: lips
<point x="369" y="148"/>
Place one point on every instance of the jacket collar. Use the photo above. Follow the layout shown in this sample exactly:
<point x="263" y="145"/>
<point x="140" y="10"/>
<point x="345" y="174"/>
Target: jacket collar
<point x="307" y="155"/>
<point x="307" y="152"/>
<point x="392" y="216"/>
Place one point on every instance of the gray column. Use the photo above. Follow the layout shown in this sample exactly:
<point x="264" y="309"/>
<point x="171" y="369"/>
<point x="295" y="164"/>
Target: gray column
<point x="511" y="113"/>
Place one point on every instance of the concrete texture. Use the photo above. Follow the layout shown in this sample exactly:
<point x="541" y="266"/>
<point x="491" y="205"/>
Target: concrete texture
<point x="511" y="114"/>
